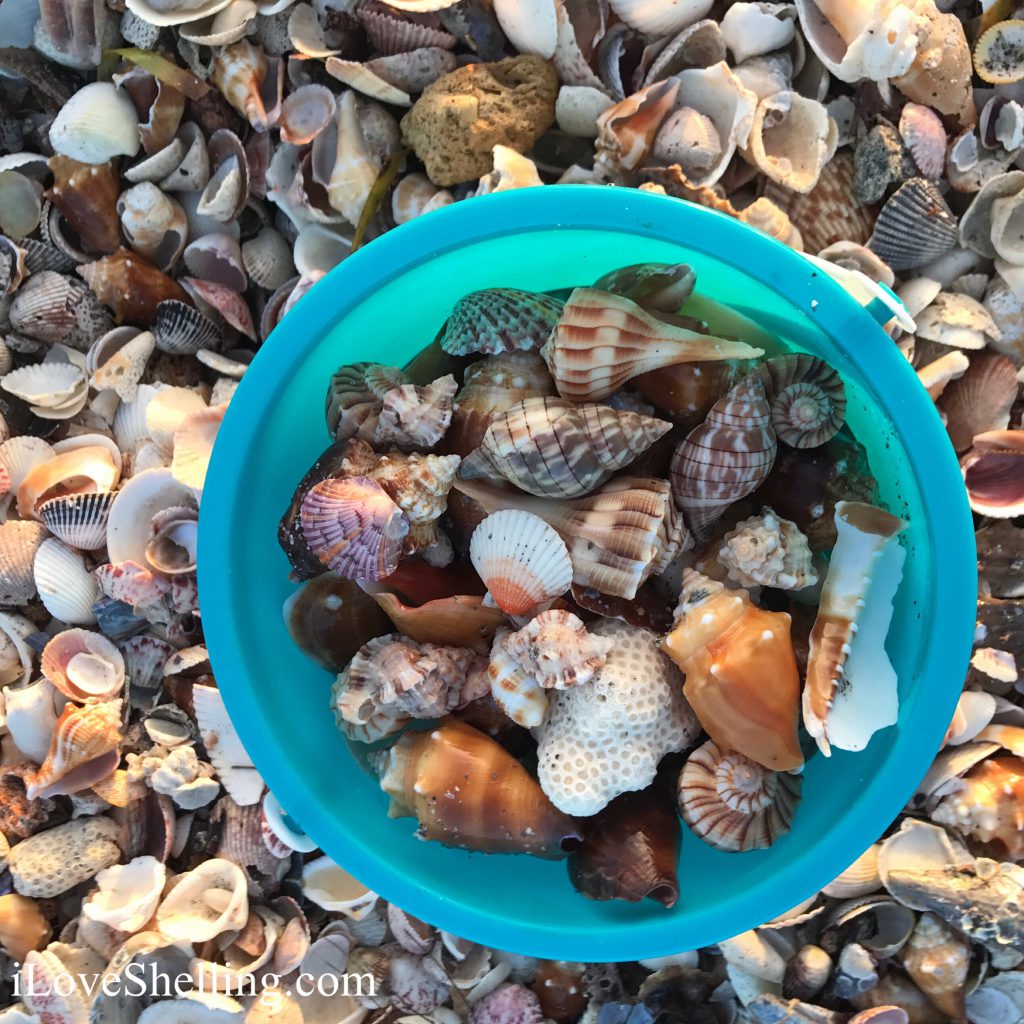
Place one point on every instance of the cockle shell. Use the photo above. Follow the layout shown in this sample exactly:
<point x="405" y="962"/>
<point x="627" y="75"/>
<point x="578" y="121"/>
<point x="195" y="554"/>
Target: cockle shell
<point x="66" y="587"/>
<point x="86" y="195"/>
<point x="847" y="640"/>
<point x="422" y="766"/>
<point x="768" y="551"/>
<point x="602" y="340"/>
<point x="654" y="19"/>
<point x="45" y="385"/>
<point x="80" y="520"/>
<point x="19" y="543"/>
<point x="497" y="320"/>
<point x="268" y="259"/>
<point x="734" y="803"/>
<point x="45" y="307"/>
<point x="726" y="457"/>
<point x="416" y="195"/>
<point x="98" y="123"/>
<point x="205" y="902"/>
<point x="128" y="894"/>
<point x="807" y="398"/>
<point x="194" y="437"/>
<point x="85" y="749"/>
<point x="552" y="448"/>
<point x="18" y="456"/>
<point x="83" y="665"/>
<point x="521" y="559"/>
<point x="556" y="649"/>
<point x="181" y="329"/>
<point x="727" y="647"/>
<point x="923" y="134"/>
<point x="914" y="227"/>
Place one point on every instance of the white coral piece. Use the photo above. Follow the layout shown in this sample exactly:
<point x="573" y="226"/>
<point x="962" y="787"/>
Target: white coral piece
<point x="128" y="894"/>
<point x="768" y="551"/>
<point x="177" y="773"/>
<point x="556" y="649"/>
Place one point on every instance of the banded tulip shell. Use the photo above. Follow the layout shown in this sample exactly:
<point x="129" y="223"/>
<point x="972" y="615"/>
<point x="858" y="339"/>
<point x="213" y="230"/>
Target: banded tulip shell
<point x="728" y="647"/>
<point x="85" y="749"/>
<point x="205" y="902"/>
<point x="603" y="340"/>
<point x="86" y="195"/>
<point x="497" y="320"/>
<point x="657" y="287"/>
<point x="807" y="398"/>
<point x="848" y="636"/>
<point x="497" y="807"/>
<point x="242" y="73"/>
<point x="555" y="449"/>
<point x="84" y="666"/>
<point x="734" y="803"/>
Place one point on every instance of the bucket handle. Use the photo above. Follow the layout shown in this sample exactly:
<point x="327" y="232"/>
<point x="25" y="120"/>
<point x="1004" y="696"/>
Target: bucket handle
<point x="878" y="299"/>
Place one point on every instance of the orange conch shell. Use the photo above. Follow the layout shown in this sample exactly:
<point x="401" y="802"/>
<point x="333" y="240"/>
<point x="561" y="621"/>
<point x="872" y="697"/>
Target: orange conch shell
<point x="85" y="749"/>
<point x="741" y="674"/>
<point x="467" y="791"/>
<point x="86" y="194"/>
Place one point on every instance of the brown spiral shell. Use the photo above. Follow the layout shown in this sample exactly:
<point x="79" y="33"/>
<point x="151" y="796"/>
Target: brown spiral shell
<point x="808" y="400"/>
<point x="725" y="458"/>
<point x="734" y="803"/>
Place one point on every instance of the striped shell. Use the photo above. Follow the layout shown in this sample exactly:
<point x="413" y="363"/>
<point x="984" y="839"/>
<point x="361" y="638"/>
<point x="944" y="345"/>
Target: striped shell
<point x="807" y="398"/>
<point x="727" y="457"/>
<point x="654" y="286"/>
<point x="66" y="587"/>
<point x="416" y="417"/>
<point x="181" y="330"/>
<point x="83" y="665"/>
<point x="521" y="559"/>
<point x="924" y="135"/>
<point x="19" y="542"/>
<point x="77" y="471"/>
<point x="602" y="340"/>
<point x="914" y="227"/>
<point x="78" y="519"/>
<point x="499" y="320"/>
<point x="353" y="527"/>
<point x="555" y="449"/>
<point x="734" y="803"/>
<point x="516" y="692"/>
<point x="355" y="398"/>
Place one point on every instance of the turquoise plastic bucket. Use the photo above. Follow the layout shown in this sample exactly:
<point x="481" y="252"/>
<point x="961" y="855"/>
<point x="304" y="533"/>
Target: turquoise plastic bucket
<point x="385" y="303"/>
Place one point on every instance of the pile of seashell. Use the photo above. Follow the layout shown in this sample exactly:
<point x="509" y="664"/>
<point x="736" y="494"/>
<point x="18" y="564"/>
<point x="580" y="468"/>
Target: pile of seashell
<point x="163" y="206"/>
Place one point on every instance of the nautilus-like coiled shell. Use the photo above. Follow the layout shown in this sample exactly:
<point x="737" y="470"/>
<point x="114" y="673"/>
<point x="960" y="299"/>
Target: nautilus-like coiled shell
<point x="603" y="340"/>
<point x="734" y="803"/>
<point x="555" y="449"/>
<point x="741" y="676"/>
<point x="467" y="791"/>
<point x="807" y="397"/>
<point x="726" y="457"/>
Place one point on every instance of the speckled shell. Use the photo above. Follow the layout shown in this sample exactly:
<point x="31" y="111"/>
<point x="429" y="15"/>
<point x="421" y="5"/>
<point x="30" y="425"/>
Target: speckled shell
<point x="355" y="397"/>
<point x="555" y="449"/>
<point x="514" y="690"/>
<point x="807" y="398"/>
<point x="733" y="803"/>
<point x="914" y="227"/>
<point x="726" y="457"/>
<point x="414" y="417"/>
<point x="499" y="320"/>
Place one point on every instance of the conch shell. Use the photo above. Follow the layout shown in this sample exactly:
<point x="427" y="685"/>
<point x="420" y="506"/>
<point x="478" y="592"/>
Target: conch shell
<point x="741" y="674"/>
<point x="467" y="791"/>
<point x="767" y="551"/>
<point x="848" y="637"/>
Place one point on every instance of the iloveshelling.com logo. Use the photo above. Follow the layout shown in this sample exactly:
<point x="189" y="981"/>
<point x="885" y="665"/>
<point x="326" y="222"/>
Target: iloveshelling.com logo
<point x="141" y="979"/>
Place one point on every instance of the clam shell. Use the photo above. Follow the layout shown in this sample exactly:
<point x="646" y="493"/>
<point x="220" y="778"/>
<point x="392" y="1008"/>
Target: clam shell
<point x="522" y="560"/>
<point x="234" y="766"/>
<point x="141" y="498"/>
<point x="497" y="320"/>
<point x="226" y="303"/>
<point x="217" y="258"/>
<point x="80" y="520"/>
<point x="226" y="26"/>
<point x="268" y="259"/>
<point x="305" y="113"/>
<point x="193" y="443"/>
<point x="66" y="587"/>
<point x="658" y="19"/>
<point x="914" y="227"/>
<point x="578" y="108"/>
<point x="98" y="123"/>
<point x="205" y="902"/>
<point x="980" y="399"/>
<point x="180" y="329"/>
<point x="76" y="471"/>
<point x="19" y="543"/>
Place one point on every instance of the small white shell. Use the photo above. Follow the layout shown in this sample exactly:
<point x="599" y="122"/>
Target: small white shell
<point x="234" y="766"/>
<point x="171" y="12"/>
<point x="416" y="195"/>
<point x="320" y="248"/>
<point x="15" y="655"/>
<point x="530" y="25"/>
<point x="128" y="527"/>
<point x="578" y="107"/>
<point x="119" y="367"/>
<point x="660" y="19"/>
<point x="98" y="123"/>
<point x="331" y="887"/>
<point x="751" y="29"/>
<point x="32" y="717"/>
<point x="170" y="405"/>
<point x="128" y="894"/>
<point x="205" y="902"/>
<point x="66" y="587"/>
<point x="224" y="27"/>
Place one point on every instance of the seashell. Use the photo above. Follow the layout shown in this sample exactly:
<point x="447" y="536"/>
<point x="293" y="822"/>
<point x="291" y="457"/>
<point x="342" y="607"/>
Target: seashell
<point x="980" y="399"/>
<point x="914" y="227"/>
<point x="957" y="320"/>
<point x="578" y="108"/>
<point x="130" y="286"/>
<point x="497" y="320"/>
<point x="556" y="649"/>
<point x="97" y="124"/>
<point x="416" y="195"/>
<point x="23" y="927"/>
<point x="174" y="540"/>
<point x="654" y="19"/>
<point x="45" y="998"/>
<point x="335" y="890"/>
<point x="44" y="307"/>
<point x="18" y="456"/>
<point x="389" y="33"/>
<point x="128" y="894"/>
<point x="356" y="166"/>
<point x="180" y="329"/>
<point x="217" y="258"/>
<point x="521" y="559"/>
<point x="415" y="417"/>
<point x="234" y="766"/>
<point x="154" y="224"/>
<point x="20" y="206"/>
<point x="319" y="249"/>
<point x="129" y="424"/>
<point x="992" y="473"/>
<point x="457" y="621"/>
<point x="506" y="1002"/>
<point x="766" y="551"/>
<point x="421" y="766"/>
<point x="355" y="398"/>
<point x="16" y="657"/>
<point x="530" y="27"/>
<point x="268" y="259"/>
<point x="187" y="172"/>
<point x="228" y="304"/>
<point x="305" y="113"/>
<point x="752" y="29"/>
<point x="996" y="57"/>
<point x="227" y="191"/>
<point x="85" y="749"/>
<point x="241" y="73"/>
<point x="514" y="689"/>
<point x="807" y="398"/>
<point x="13" y="269"/>
<point x="630" y="850"/>
<point x="727" y="646"/>
<point x="734" y="803"/>
<point x="864" y="571"/>
<point x="31" y="718"/>
<point x="626" y="131"/>
<point x="53" y="390"/>
<point x="19" y="543"/>
<point x="511" y="170"/>
<point x="791" y="140"/>
<point x="194" y="437"/>
<point x="86" y="195"/>
<point x="128" y="525"/>
<point x="117" y="360"/>
<point x="860" y="879"/>
<point x="923" y="134"/>
<point x="725" y="458"/>
<point x="554" y="449"/>
<point x="366" y="79"/>
<point x="602" y="340"/>
<point x="226" y="26"/>
<point x="84" y="666"/>
<point x="937" y="960"/>
<point x="167" y="409"/>
<point x="941" y="72"/>
<point x="205" y="902"/>
<point x="66" y="587"/>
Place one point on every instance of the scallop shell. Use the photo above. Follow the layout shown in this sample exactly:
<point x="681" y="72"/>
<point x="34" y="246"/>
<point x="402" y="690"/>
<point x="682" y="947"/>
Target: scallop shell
<point x="66" y="587"/>
<point x="217" y="258"/>
<point x="602" y="340"/>
<point x="980" y="399"/>
<point x="497" y="320"/>
<point x="205" y="902"/>
<point x="914" y="227"/>
<point x="353" y="527"/>
<point x="521" y="559"/>
<point x="19" y="543"/>
<point x="79" y="471"/>
<point x="127" y="894"/>
<point x="807" y="398"/>
<point x="180" y="329"/>
<point x="732" y="802"/>
<point x="83" y="665"/>
<point x="85" y="749"/>
<point x="998" y="57"/>
<point x="924" y="135"/>
<point x="80" y="520"/>
<point x="726" y="457"/>
<point x="194" y="437"/>
<point x="552" y="448"/>
<point x="389" y="33"/>
<point x="268" y="259"/>
<point x="98" y="123"/>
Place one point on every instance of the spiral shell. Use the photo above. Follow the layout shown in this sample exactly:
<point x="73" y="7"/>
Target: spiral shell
<point x="513" y="688"/>
<point x="807" y="397"/>
<point x="734" y="803"/>
<point x="726" y="457"/>
<point x="768" y="551"/>
<point x="355" y="397"/>
<point x="498" y="320"/>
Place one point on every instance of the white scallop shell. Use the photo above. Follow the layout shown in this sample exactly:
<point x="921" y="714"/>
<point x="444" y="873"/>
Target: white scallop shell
<point x="130" y="430"/>
<point x="20" y="455"/>
<point x="32" y="717"/>
<point x="98" y="123"/>
<point x="193" y="444"/>
<point x="234" y="766"/>
<point x="145" y="494"/>
<point x="45" y="384"/>
<point x="205" y="902"/>
<point x="170" y="405"/>
<point x="171" y="13"/>
<point x="128" y="894"/>
<point x="66" y="587"/>
<point x="658" y="18"/>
